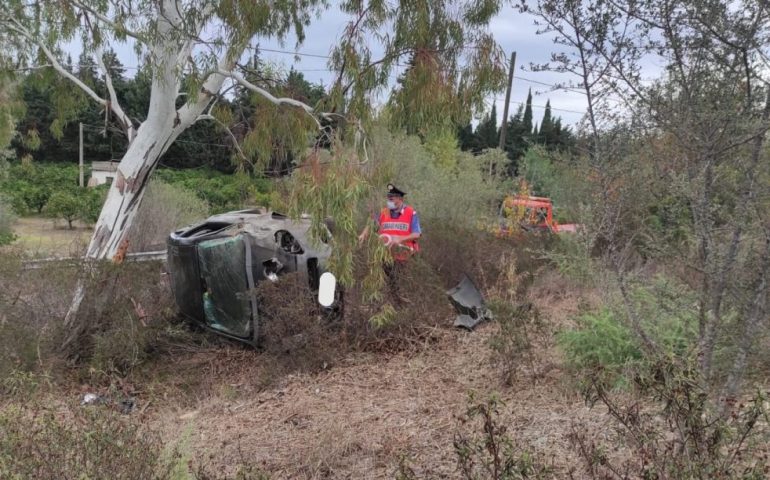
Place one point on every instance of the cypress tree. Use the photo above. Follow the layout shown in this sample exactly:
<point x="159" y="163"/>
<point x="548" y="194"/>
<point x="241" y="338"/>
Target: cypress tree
<point x="527" y="119"/>
<point x="486" y="131"/>
<point x="546" y="135"/>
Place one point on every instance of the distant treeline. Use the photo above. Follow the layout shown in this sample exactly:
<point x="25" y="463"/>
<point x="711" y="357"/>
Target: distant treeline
<point x="522" y="133"/>
<point x="48" y="132"/>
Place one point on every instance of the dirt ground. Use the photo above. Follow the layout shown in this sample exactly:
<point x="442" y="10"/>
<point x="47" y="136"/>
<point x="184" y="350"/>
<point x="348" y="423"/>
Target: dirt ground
<point x="46" y="237"/>
<point x="357" y="419"/>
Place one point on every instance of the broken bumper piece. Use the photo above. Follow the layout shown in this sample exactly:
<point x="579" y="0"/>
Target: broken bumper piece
<point x="469" y="304"/>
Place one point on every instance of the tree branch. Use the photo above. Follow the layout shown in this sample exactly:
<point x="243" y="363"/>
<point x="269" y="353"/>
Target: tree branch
<point x="272" y="98"/>
<point x="17" y="27"/>
<point x="107" y="21"/>
<point x="208" y="116"/>
<point x="114" y="104"/>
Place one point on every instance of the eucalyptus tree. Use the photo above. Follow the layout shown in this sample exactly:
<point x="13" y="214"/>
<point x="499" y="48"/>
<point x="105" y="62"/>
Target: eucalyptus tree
<point x="193" y="50"/>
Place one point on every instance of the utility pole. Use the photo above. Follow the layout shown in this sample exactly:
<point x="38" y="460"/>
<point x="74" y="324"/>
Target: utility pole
<point x="507" y="101"/>
<point x="80" y="159"/>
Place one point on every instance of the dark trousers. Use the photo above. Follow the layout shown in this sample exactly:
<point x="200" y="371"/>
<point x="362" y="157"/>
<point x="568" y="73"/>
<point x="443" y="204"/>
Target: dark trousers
<point x="393" y="275"/>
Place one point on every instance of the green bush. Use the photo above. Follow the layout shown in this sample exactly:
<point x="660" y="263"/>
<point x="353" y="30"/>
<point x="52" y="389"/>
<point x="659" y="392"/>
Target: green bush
<point x="600" y="341"/>
<point x="603" y="339"/>
<point x="30" y="186"/>
<point x="221" y="191"/>
<point x="454" y="193"/>
<point x="83" y="204"/>
<point x="571" y="254"/>
<point x="93" y="201"/>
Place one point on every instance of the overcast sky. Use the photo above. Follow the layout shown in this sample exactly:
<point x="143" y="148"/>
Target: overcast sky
<point x="512" y="30"/>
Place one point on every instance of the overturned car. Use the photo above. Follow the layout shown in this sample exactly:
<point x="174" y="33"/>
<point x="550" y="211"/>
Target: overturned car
<point x="216" y="264"/>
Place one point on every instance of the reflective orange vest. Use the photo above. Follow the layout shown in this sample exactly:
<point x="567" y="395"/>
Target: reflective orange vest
<point x="400" y="227"/>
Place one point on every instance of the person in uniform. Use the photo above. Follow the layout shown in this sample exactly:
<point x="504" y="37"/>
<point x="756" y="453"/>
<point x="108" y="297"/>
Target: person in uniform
<point x="399" y="226"/>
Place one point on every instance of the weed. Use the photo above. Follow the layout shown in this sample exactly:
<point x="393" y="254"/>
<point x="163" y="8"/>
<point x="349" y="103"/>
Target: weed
<point x="246" y="469"/>
<point x="405" y="471"/>
<point x="487" y="451"/>
<point x="512" y="345"/>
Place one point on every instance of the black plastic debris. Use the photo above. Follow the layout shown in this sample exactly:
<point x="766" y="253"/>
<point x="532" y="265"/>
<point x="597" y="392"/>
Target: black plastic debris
<point x="126" y="405"/>
<point x="469" y="304"/>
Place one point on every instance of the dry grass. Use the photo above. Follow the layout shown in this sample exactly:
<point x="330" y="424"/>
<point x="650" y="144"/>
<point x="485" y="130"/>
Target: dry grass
<point x="358" y="417"/>
<point x="45" y="237"/>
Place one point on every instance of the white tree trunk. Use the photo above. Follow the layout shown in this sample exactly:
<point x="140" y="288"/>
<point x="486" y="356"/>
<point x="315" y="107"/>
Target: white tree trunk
<point x="110" y="232"/>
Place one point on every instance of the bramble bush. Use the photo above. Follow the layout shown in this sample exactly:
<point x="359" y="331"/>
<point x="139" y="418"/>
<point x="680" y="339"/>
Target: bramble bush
<point x="679" y="432"/>
<point x="485" y="449"/>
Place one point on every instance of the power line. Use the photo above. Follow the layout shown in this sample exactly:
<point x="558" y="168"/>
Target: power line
<point x="543" y="106"/>
<point x="560" y="87"/>
<point x="287" y="52"/>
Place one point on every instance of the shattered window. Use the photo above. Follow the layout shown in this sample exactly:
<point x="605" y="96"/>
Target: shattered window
<point x="225" y="288"/>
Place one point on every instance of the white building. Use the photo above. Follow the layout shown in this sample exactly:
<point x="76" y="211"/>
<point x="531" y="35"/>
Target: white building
<point x="103" y="172"/>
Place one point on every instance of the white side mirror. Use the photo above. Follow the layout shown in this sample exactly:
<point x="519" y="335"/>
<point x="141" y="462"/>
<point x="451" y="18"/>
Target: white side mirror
<point x="326" y="286"/>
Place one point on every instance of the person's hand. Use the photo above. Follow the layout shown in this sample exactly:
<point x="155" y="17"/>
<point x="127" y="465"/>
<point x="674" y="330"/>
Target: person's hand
<point x="361" y="238"/>
<point x="396" y="240"/>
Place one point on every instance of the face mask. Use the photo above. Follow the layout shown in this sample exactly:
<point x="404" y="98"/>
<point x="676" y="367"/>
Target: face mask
<point x="391" y="205"/>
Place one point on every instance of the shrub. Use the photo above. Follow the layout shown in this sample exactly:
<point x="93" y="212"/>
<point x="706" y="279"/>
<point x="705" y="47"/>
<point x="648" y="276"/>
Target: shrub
<point x="603" y="339"/>
<point x="600" y="341"/>
<point x="93" y="200"/>
<point x="683" y="434"/>
<point x="512" y="345"/>
<point x="455" y="193"/>
<point x="164" y="209"/>
<point x="222" y="192"/>
<point x="36" y="442"/>
<point x="486" y="450"/>
<point x="123" y="320"/>
<point x="571" y="254"/>
<point x="30" y="186"/>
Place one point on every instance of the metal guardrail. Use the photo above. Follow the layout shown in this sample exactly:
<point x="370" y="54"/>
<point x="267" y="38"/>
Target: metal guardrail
<point x="72" y="261"/>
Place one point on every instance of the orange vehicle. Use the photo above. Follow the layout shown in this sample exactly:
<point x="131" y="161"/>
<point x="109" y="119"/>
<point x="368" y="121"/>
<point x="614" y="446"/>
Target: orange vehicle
<point x="532" y="214"/>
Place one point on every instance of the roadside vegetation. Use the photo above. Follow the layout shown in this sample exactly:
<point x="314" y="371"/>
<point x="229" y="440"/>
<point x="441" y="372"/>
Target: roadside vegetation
<point x="634" y="347"/>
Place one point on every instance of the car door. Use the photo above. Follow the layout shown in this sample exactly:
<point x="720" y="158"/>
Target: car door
<point x="229" y="301"/>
